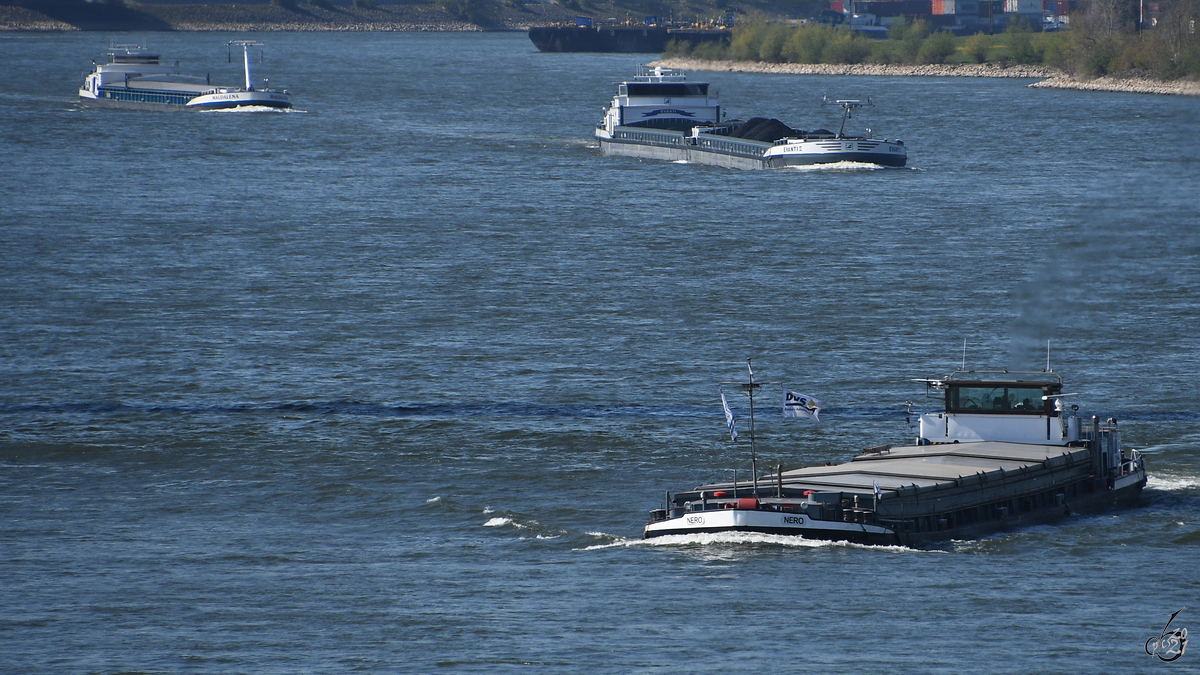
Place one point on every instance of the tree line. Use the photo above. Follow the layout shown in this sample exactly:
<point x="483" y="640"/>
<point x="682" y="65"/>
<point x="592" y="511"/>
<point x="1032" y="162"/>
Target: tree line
<point x="1103" y="40"/>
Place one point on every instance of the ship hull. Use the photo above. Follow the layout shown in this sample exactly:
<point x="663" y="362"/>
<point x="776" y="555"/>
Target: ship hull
<point x="929" y="493"/>
<point x="747" y="154"/>
<point x="133" y="98"/>
<point x="620" y="39"/>
<point x="769" y="522"/>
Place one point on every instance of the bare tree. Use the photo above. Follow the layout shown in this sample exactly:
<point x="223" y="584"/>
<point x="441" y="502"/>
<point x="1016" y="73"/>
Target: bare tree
<point x="1110" y="16"/>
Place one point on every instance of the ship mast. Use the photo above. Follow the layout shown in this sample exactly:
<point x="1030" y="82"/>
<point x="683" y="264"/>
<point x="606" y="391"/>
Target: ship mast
<point x="246" y="45"/>
<point x="749" y="387"/>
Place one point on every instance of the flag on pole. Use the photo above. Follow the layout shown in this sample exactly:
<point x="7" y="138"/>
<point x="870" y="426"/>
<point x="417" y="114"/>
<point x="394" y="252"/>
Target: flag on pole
<point x="729" y="417"/>
<point x="800" y="405"/>
<point x="875" y="484"/>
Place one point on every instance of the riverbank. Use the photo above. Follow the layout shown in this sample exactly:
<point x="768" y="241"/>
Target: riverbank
<point x="50" y="16"/>
<point x="1048" y="78"/>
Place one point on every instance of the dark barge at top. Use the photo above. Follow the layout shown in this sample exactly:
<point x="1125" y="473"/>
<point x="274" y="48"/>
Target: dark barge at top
<point x="1003" y="452"/>
<point x="621" y="38"/>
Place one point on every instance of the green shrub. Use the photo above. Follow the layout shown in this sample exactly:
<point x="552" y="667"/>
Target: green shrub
<point x="770" y="46"/>
<point x="807" y="44"/>
<point x="710" y="51"/>
<point x="914" y="36"/>
<point x="846" y="46"/>
<point x="937" y="47"/>
<point x="1020" y="43"/>
<point x="976" y="47"/>
<point x="743" y="46"/>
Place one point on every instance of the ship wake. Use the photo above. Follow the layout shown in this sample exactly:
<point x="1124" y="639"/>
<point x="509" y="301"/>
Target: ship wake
<point x="739" y="539"/>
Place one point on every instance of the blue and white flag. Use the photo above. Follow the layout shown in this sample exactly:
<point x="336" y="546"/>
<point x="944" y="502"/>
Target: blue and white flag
<point x="729" y="417"/>
<point x="800" y="405"/>
<point x="875" y="484"/>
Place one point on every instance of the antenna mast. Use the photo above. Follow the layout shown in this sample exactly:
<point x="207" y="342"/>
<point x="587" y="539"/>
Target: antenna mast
<point x="749" y="388"/>
<point x="246" y="45"/>
<point x="753" y="456"/>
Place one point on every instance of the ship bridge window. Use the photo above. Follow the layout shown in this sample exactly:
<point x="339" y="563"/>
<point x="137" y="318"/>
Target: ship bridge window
<point x="996" y="399"/>
<point x="667" y="89"/>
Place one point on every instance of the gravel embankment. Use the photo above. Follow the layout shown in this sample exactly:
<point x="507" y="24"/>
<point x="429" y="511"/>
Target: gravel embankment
<point x="1050" y="78"/>
<point x="19" y="18"/>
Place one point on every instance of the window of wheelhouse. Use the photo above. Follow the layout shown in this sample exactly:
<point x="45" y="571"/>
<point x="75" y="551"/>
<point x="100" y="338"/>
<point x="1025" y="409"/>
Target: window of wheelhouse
<point x="667" y="89"/>
<point x="984" y="398"/>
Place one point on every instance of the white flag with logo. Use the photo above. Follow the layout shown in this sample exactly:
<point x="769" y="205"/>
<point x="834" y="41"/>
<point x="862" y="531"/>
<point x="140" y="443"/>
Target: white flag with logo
<point x="800" y="405"/>
<point x="729" y="417"/>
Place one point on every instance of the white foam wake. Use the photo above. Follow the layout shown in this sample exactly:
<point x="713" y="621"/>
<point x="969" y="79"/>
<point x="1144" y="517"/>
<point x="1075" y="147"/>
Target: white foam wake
<point x="723" y="539"/>
<point x="838" y="166"/>
<point x="1173" y="483"/>
<point x="254" y="109"/>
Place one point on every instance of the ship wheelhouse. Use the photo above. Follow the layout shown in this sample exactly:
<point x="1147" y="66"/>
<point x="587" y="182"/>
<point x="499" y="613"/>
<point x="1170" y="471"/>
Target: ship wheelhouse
<point x="661" y="98"/>
<point x="1009" y="406"/>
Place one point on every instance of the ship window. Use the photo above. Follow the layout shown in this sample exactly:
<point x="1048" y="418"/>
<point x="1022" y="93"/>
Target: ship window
<point x="995" y="399"/>
<point x="667" y="89"/>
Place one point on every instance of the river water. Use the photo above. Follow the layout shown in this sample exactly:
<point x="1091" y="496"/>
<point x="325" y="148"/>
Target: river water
<point x="389" y="383"/>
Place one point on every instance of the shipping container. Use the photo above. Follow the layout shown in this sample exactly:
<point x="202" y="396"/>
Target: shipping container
<point x="1023" y="6"/>
<point x="918" y="7"/>
<point x="894" y="8"/>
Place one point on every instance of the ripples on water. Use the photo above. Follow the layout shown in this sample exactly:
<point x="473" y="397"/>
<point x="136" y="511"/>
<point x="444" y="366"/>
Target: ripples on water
<point x="390" y="385"/>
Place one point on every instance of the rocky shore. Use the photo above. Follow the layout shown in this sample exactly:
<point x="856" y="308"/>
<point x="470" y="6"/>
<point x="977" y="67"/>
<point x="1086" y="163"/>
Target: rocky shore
<point x="19" y="18"/>
<point x="1049" y="78"/>
<point x="264" y="18"/>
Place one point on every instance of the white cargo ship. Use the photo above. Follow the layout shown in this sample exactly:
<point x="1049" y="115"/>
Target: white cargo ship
<point x="660" y="115"/>
<point x="131" y="77"/>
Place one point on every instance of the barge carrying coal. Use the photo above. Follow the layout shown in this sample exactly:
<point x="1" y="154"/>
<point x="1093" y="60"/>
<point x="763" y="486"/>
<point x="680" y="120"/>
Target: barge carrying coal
<point x="1002" y="452"/>
<point x="660" y="115"/>
<point x="618" y="38"/>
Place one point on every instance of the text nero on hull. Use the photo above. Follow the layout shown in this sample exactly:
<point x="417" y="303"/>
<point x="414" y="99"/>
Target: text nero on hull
<point x="1003" y="452"/>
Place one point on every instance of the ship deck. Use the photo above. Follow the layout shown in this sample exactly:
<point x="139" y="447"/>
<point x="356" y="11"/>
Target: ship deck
<point x="927" y="466"/>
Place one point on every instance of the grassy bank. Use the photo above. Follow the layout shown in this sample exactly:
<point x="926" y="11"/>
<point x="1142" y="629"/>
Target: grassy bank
<point x="1087" y="51"/>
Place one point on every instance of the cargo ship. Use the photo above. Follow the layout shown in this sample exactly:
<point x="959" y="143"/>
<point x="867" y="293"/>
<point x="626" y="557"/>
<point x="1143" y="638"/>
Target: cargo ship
<point x="1001" y="451"/>
<point x="132" y="77"/>
<point x="660" y="115"/>
<point x="623" y="38"/>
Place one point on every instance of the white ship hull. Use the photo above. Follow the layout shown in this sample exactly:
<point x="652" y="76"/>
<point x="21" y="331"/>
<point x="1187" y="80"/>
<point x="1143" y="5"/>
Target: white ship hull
<point x="769" y="522"/>
<point x="133" y="78"/>
<point x="238" y="99"/>
<point x="143" y="98"/>
<point x="737" y="153"/>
